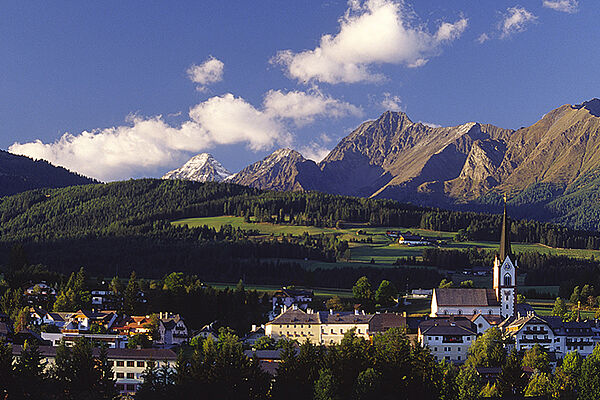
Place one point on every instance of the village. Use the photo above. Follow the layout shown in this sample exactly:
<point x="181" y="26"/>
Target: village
<point x="457" y="318"/>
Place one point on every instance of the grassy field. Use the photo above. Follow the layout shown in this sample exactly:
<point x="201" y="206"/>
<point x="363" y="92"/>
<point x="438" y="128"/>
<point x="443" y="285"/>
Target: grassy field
<point x="382" y="249"/>
<point x="270" y="289"/>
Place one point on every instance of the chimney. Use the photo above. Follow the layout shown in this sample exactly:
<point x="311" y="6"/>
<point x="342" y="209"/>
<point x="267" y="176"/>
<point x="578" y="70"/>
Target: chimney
<point x="294" y="306"/>
<point x="253" y="328"/>
<point x="309" y="311"/>
<point x="330" y="311"/>
<point x="356" y="312"/>
<point x="404" y="314"/>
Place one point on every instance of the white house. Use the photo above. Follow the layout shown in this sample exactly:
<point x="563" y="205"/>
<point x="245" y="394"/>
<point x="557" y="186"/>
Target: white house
<point x="172" y="329"/>
<point x="447" y="339"/>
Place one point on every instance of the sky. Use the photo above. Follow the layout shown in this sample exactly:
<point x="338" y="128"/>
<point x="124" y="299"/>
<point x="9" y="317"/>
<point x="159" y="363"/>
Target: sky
<point x="116" y="90"/>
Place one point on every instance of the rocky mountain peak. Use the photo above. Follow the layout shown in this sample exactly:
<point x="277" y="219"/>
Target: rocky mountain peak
<point x="201" y="168"/>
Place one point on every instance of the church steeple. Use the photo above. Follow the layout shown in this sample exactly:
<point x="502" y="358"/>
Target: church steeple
<point x="505" y="249"/>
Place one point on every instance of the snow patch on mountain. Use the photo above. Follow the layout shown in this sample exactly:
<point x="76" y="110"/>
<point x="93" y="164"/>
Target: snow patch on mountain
<point x="201" y="168"/>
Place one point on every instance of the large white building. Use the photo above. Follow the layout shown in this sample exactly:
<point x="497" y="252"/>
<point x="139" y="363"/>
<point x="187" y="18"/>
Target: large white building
<point x="448" y="339"/>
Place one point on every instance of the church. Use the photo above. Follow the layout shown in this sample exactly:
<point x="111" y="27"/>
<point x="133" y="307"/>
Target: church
<point x="499" y="301"/>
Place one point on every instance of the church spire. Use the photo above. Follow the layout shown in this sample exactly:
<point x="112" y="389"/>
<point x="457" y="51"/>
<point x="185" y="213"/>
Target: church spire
<point x="505" y="249"/>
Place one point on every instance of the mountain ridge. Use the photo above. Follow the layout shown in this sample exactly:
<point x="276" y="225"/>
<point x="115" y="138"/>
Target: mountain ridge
<point x="468" y="166"/>
<point x="20" y="173"/>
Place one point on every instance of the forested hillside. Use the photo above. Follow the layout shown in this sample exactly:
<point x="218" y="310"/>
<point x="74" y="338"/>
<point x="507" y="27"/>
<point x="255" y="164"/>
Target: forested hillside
<point x="18" y="174"/>
<point x="114" y="228"/>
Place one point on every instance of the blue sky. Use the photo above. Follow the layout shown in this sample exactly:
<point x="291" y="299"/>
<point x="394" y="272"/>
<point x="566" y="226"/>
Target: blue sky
<point x="119" y="89"/>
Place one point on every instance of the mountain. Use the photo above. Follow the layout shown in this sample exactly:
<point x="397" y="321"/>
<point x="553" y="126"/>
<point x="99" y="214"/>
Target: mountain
<point x="285" y="169"/>
<point x="20" y="173"/>
<point x="549" y="170"/>
<point x="200" y="168"/>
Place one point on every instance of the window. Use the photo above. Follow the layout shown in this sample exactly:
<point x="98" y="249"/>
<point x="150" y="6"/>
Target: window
<point x="130" y="387"/>
<point x="458" y="358"/>
<point x="507" y="280"/>
<point x="110" y="363"/>
<point x="130" y="364"/>
<point x="140" y="364"/>
<point x="435" y="349"/>
<point x="130" y="375"/>
<point x="120" y="363"/>
<point x="459" y="312"/>
<point x="120" y="387"/>
<point x="120" y="375"/>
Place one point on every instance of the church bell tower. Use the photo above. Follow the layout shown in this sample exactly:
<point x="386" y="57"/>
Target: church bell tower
<point x="505" y="272"/>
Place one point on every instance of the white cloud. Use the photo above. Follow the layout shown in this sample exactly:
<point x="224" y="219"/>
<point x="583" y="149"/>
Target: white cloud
<point x="430" y="124"/>
<point x="210" y="71"/>
<point x="484" y="37"/>
<point x="147" y="144"/>
<point x="568" y="6"/>
<point x="515" y="20"/>
<point x="303" y="107"/>
<point x="391" y="103"/>
<point x="314" y="151"/>
<point x="372" y="32"/>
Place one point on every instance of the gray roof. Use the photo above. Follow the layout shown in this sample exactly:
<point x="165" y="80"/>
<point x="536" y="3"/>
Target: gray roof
<point x="125" y="354"/>
<point x="296" y="316"/>
<point x="443" y="326"/>
<point x="384" y="321"/>
<point x="344" y="317"/>
<point x="466" y="297"/>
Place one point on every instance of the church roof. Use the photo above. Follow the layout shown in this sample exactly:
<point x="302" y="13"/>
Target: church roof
<point x="466" y="297"/>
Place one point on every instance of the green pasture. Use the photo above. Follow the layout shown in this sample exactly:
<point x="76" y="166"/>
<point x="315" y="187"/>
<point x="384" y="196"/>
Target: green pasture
<point x="270" y="289"/>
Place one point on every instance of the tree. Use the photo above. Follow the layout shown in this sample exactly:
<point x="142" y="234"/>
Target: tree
<point x="386" y="293"/>
<point x="325" y="386"/>
<point x="576" y="295"/>
<point x="265" y="343"/>
<point x="174" y="282"/>
<point x="488" y="350"/>
<point x="140" y="340"/>
<point x="116" y="286"/>
<point x="540" y="384"/>
<point x="566" y="376"/>
<point x="589" y="380"/>
<point x="469" y="384"/>
<point x="22" y="320"/>
<point x="467" y="284"/>
<point x="6" y="369"/>
<point x="489" y="391"/>
<point x="521" y="299"/>
<point x="363" y="292"/>
<point x="131" y="295"/>
<point x="29" y="371"/>
<point x="512" y="380"/>
<point x="537" y="359"/>
<point x="335" y="303"/>
<point x="445" y="284"/>
<point x="560" y="307"/>
<point x="368" y="385"/>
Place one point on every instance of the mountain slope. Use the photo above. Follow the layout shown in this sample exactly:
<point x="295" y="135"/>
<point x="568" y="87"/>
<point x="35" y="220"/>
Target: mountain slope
<point x="285" y="169"/>
<point x="549" y="170"/>
<point x="200" y="168"/>
<point x="19" y="173"/>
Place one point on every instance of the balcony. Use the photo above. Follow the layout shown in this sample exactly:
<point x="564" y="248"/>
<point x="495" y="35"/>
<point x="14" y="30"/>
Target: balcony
<point x="532" y="332"/>
<point x="452" y="339"/>
<point x="525" y="340"/>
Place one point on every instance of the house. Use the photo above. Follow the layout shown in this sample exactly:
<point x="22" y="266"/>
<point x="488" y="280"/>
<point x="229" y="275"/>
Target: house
<point x="268" y="360"/>
<point x="412" y="240"/>
<point x="133" y="325"/>
<point x="484" y="322"/>
<point x="447" y="339"/>
<point x="255" y="333"/>
<point x="318" y="327"/>
<point x="381" y="322"/>
<point x="554" y="335"/>
<point x="500" y="300"/>
<point x="113" y="341"/>
<point x="524" y="332"/>
<point x="288" y="297"/>
<point x="128" y="364"/>
<point x="171" y="329"/>
<point x="84" y="320"/>
<point x="40" y="289"/>
<point x="105" y="300"/>
<point x="335" y="324"/>
<point x="208" y="332"/>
